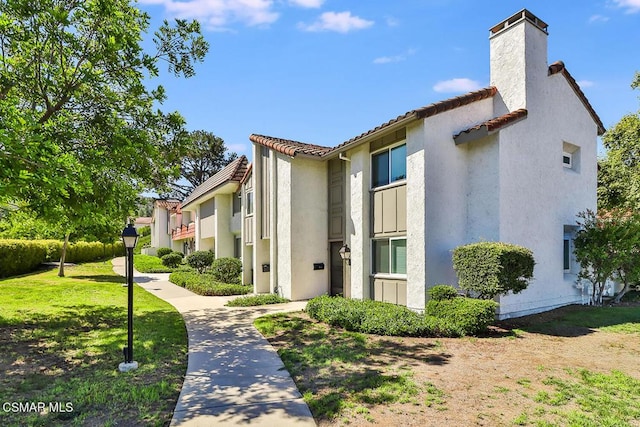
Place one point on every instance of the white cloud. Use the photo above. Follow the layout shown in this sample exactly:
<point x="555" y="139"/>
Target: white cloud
<point x="598" y="18"/>
<point x="396" y="58"/>
<point x="457" y="85"/>
<point x="311" y="4"/>
<point x="391" y="21"/>
<point x="631" y="6"/>
<point x="341" y="22"/>
<point x="216" y="14"/>
<point x="585" y="83"/>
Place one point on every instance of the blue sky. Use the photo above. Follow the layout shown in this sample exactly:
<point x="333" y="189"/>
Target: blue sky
<point x="324" y="71"/>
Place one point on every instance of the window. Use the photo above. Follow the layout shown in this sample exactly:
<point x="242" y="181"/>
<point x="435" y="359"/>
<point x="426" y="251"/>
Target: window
<point x="237" y="247"/>
<point x="567" y="160"/>
<point x="568" y="261"/>
<point x="571" y="156"/>
<point x="389" y="166"/>
<point x="390" y="256"/>
<point x="237" y="202"/>
<point x="208" y="208"/>
<point x="249" y="203"/>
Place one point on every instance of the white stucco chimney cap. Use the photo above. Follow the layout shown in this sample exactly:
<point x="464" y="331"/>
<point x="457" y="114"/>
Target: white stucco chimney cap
<point x="523" y="15"/>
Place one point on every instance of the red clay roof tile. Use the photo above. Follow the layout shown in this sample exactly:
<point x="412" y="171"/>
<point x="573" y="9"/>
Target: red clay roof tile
<point x="490" y="126"/>
<point x="289" y="147"/>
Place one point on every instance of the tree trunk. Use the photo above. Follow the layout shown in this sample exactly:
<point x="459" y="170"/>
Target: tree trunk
<point x="63" y="255"/>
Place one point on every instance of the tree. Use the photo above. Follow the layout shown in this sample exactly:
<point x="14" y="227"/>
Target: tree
<point x="80" y="132"/>
<point x="608" y="248"/>
<point x="619" y="171"/>
<point x="204" y="156"/>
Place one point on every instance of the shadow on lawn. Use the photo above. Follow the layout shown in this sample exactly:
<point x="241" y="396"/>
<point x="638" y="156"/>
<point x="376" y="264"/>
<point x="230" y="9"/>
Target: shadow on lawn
<point x="101" y="278"/>
<point x="575" y="320"/>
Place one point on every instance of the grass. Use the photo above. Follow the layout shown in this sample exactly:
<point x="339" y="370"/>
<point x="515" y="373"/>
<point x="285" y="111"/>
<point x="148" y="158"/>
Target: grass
<point x="150" y="264"/>
<point x="345" y="380"/>
<point x="143" y="240"/>
<point x="353" y="378"/>
<point x="62" y="342"/>
<point x="255" y="300"/>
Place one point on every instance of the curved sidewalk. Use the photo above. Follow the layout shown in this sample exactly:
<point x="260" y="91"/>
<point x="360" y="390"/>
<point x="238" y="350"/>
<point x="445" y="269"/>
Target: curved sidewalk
<point x="234" y="376"/>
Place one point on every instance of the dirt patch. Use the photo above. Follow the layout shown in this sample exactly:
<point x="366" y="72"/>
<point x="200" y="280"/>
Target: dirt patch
<point x="485" y="381"/>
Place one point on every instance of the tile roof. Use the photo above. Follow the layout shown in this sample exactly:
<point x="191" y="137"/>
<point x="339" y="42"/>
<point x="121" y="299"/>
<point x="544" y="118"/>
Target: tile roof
<point x="143" y="220"/>
<point x="490" y="126"/>
<point x="233" y="172"/>
<point x="289" y="147"/>
<point x="558" y="67"/>
<point x="168" y="204"/>
<point x="428" y="111"/>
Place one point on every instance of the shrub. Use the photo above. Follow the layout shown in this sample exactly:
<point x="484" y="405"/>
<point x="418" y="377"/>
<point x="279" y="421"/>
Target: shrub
<point x="172" y="260"/>
<point x="204" y="284"/>
<point x="254" y="300"/>
<point x="442" y="292"/>
<point x="200" y="260"/>
<point x="144" y="231"/>
<point x="20" y="256"/>
<point x="163" y="251"/>
<point x="227" y="270"/>
<point x="493" y="268"/>
<point x="467" y="316"/>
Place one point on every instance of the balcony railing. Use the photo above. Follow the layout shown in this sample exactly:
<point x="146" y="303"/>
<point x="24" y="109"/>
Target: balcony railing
<point x="184" y="232"/>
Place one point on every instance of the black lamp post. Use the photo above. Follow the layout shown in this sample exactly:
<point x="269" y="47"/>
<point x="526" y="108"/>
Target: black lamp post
<point x="129" y="238"/>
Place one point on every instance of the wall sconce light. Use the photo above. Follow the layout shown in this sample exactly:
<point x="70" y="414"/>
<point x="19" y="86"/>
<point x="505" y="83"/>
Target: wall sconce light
<point x="345" y="253"/>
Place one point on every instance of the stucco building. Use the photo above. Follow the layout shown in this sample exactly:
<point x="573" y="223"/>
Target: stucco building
<point x="513" y="162"/>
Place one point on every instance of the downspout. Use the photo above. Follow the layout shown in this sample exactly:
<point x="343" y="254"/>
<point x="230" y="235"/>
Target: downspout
<point x="274" y="222"/>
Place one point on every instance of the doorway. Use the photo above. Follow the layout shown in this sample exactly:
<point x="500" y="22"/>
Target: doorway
<point x="337" y="270"/>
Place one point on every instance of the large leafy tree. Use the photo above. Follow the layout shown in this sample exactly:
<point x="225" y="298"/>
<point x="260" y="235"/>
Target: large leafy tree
<point x="205" y="155"/>
<point x="619" y="171"/>
<point x="80" y="129"/>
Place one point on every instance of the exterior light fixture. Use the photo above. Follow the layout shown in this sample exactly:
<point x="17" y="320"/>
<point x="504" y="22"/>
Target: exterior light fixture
<point x="129" y="238"/>
<point x="345" y="253"/>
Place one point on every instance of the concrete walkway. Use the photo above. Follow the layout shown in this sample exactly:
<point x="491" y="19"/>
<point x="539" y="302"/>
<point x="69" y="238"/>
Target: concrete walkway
<point x="234" y="377"/>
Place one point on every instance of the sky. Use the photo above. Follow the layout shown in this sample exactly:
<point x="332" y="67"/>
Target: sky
<point x="324" y="71"/>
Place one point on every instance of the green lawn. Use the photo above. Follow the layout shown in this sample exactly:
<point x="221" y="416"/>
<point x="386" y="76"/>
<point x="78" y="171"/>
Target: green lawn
<point x="62" y="341"/>
<point x="150" y="264"/>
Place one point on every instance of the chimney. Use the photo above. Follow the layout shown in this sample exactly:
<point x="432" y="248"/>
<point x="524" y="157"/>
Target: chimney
<point x="518" y="56"/>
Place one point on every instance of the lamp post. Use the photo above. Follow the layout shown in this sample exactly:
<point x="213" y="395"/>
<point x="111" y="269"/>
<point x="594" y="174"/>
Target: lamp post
<point x="129" y="238"/>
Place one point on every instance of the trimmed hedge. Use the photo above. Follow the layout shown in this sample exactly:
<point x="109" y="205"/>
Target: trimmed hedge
<point x="374" y="317"/>
<point x="200" y="260"/>
<point x="227" y="270"/>
<point x="467" y="316"/>
<point x="205" y="284"/>
<point x="255" y="300"/>
<point x="493" y="268"/>
<point x="442" y="292"/>
<point x="172" y="260"/>
<point x="163" y="251"/>
<point x="24" y="256"/>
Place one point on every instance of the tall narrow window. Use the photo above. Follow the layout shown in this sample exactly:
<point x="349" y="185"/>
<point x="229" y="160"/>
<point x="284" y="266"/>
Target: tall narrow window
<point x="398" y="163"/>
<point x="249" y="203"/>
<point x="567" y="254"/>
<point x="237" y="202"/>
<point x="399" y="256"/>
<point x="381" y="256"/>
<point x="380" y="169"/>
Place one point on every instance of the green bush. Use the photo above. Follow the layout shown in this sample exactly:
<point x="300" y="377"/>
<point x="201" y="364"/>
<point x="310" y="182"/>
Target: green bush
<point x="163" y="251"/>
<point x="493" y="268"/>
<point x="200" y="260"/>
<point x="144" y="231"/>
<point x="24" y="256"/>
<point x="172" y="260"/>
<point x="467" y="316"/>
<point x="20" y="256"/>
<point x="227" y="270"/>
<point x="254" y="300"/>
<point x="375" y="317"/>
<point x="442" y="292"/>
<point x="205" y="284"/>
